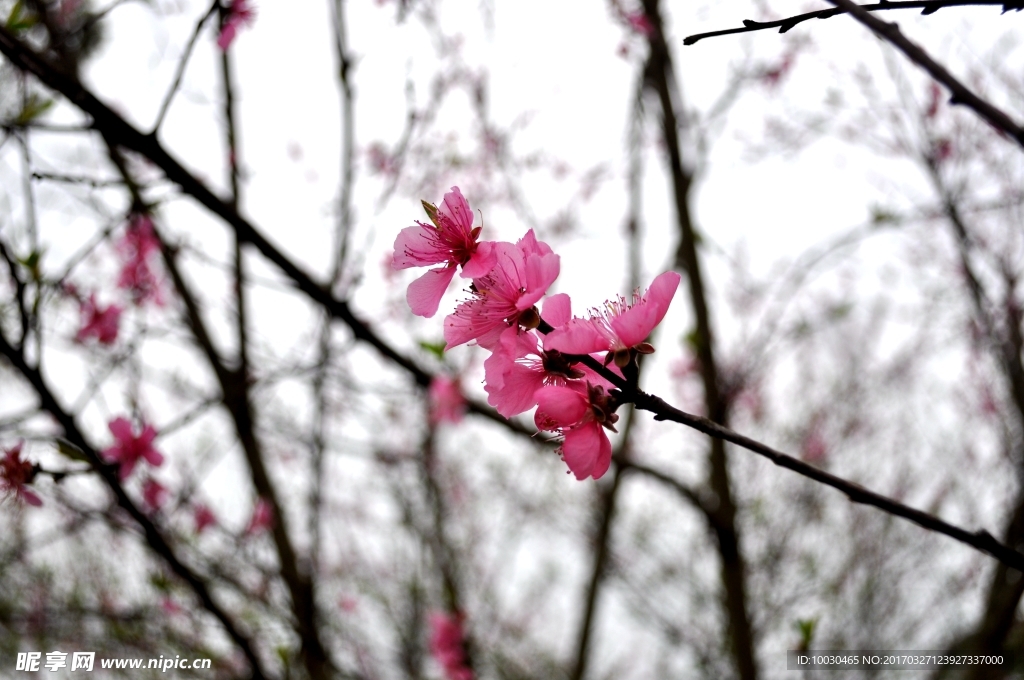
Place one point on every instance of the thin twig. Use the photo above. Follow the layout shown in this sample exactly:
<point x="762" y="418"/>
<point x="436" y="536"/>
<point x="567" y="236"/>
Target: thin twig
<point x="927" y="7"/>
<point x="166" y="104"/>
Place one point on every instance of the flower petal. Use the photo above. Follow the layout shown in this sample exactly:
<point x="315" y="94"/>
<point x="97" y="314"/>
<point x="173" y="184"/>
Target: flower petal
<point x="481" y="262"/>
<point x="558" y="407"/>
<point x="541" y="272"/>
<point x="511" y="387"/>
<point x="121" y="428"/>
<point x="425" y="293"/>
<point x="587" y="451"/>
<point x="635" y="324"/>
<point x="456" y="208"/>
<point x="576" y="336"/>
<point x="557" y="310"/>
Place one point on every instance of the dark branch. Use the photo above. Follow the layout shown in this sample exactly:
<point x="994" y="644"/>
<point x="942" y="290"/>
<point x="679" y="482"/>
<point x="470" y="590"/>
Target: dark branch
<point x="926" y="7"/>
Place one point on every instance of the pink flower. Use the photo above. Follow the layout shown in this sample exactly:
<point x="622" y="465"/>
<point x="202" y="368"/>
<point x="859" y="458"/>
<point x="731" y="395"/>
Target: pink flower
<point x="153" y="493"/>
<point x="204" y="517"/>
<point x="239" y="14"/>
<point x="451" y="241"/>
<point x="504" y="298"/>
<point x="580" y="415"/>
<point x="129" y="448"/>
<point x="518" y="367"/>
<point x="446" y="401"/>
<point x="15" y="473"/>
<point x="262" y="517"/>
<point x="99" y="322"/>
<point x="621" y="325"/>
<point x="446" y="645"/>
<point x="136" y="276"/>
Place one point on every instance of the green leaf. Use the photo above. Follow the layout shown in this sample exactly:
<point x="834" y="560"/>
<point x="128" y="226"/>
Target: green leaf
<point x="431" y="210"/>
<point x="34" y="107"/>
<point x="19" y="20"/>
<point x="806" y="627"/>
<point x="881" y="217"/>
<point x="435" y="348"/>
<point x="31" y="263"/>
<point x="70" y="450"/>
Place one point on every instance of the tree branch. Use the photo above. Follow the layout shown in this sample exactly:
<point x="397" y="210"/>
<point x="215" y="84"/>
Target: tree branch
<point x="927" y="7"/>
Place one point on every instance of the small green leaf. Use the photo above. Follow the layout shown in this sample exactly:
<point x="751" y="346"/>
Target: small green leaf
<point x="806" y="627"/>
<point x="19" y="20"/>
<point x="34" y="107"/>
<point x="160" y="582"/>
<point x="70" y="450"/>
<point x="881" y="217"/>
<point x="31" y="263"/>
<point x="435" y="348"/>
<point x="431" y="210"/>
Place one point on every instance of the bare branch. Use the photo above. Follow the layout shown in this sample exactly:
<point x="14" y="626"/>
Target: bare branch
<point x="927" y="7"/>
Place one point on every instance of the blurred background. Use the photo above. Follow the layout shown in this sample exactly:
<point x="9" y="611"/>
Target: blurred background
<point x="850" y="244"/>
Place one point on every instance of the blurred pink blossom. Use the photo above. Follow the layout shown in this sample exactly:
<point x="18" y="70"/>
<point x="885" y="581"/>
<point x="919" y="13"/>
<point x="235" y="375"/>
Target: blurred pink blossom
<point x="446" y="645"/>
<point x="446" y="401"/>
<point x="203" y="517"/>
<point x="153" y="493"/>
<point x="239" y="14"/>
<point x="101" y="322"/>
<point x="129" y="449"/>
<point x="262" y="517"/>
<point x="15" y="473"/>
<point x="137" y="277"/>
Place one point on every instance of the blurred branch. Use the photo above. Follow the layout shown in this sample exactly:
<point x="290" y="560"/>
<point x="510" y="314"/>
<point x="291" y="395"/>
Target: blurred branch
<point x="166" y="104"/>
<point x="960" y="93"/>
<point x="236" y="399"/>
<point x="661" y="79"/>
<point x="122" y="133"/>
<point x="606" y="514"/>
<point x="927" y="7"/>
<point x="109" y="475"/>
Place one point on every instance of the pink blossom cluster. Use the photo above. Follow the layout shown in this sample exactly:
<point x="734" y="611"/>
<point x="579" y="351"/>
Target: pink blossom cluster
<point x="535" y="342"/>
<point x="136" y="248"/>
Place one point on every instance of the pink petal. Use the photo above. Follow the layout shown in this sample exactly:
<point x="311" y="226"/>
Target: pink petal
<point x="458" y="329"/>
<point x="635" y="324"/>
<point x="480" y="262"/>
<point x="121" y="428"/>
<point x="587" y="451"/>
<point x="154" y="457"/>
<point x="425" y="293"/>
<point x="414" y="248"/>
<point x="30" y="497"/>
<point x="557" y="310"/>
<point x="456" y="208"/>
<point x="576" y="336"/>
<point x="510" y="386"/>
<point x="126" y="468"/>
<point x="227" y="36"/>
<point x="558" y="407"/>
<point x="541" y="272"/>
<point x="529" y="245"/>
